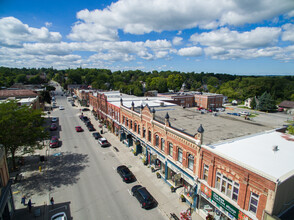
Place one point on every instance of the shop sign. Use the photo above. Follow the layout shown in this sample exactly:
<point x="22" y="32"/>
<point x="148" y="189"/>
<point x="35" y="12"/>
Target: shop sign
<point x="206" y="191"/>
<point x="232" y="210"/>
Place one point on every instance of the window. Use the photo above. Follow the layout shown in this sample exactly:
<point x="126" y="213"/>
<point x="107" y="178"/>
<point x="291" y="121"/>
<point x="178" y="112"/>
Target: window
<point x="127" y="122"/>
<point x="135" y="127"/>
<point x="156" y="140"/>
<point x="162" y="144"/>
<point x="205" y="172"/>
<point x="180" y="155"/>
<point x="191" y="162"/>
<point x="149" y="135"/>
<point x="144" y="133"/>
<point x="124" y="119"/>
<point x="131" y="124"/>
<point x="253" y="202"/>
<point x="227" y="186"/>
<point x="139" y="131"/>
<point x="170" y="149"/>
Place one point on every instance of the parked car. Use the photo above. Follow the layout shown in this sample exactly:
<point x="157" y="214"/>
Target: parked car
<point x="91" y="127"/>
<point x="280" y="109"/>
<point x="244" y="113"/>
<point x="85" y="119"/>
<point x="79" y="129"/>
<point x="73" y="104"/>
<point x="53" y="127"/>
<point x="96" y="135"/>
<point x="85" y="109"/>
<point x="103" y="142"/>
<point x="126" y="174"/>
<point x="54" y="142"/>
<point x="54" y="119"/>
<point x="143" y="196"/>
<point x="59" y="216"/>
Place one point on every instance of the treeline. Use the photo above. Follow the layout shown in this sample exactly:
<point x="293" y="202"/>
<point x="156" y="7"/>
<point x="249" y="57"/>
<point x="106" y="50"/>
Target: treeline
<point x="136" y="81"/>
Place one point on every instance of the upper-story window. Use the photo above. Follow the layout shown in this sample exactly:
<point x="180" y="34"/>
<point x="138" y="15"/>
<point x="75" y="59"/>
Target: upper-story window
<point x="227" y="186"/>
<point x="162" y="144"/>
<point x="205" y="172"/>
<point x="180" y="155"/>
<point x="123" y="119"/>
<point x="131" y="124"/>
<point x="139" y="131"/>
<point x="135" y="127"/>
<point x="149" y="135"/>
<point x="170" y="149"/>
<point x="253" y="202"/>
<point x="191" y="162"/>
<point x="127" y="122"/>
<point x="156" y="140"/>
<point x="144" y="133"/>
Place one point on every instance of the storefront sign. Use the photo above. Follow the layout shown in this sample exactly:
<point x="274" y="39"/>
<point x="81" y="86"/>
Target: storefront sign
<point x="242" y="216"/>
<point x="206" y="191"/>
<point x="232" y="210"/>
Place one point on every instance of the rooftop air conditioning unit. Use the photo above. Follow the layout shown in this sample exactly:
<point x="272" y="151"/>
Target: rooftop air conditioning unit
<point x="275" y="148"/>
<point x="161" y="104"/>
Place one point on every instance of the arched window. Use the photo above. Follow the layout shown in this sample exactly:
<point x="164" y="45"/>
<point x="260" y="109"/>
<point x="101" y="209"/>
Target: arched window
<point x="170" y="149"/>
<point x="156" y="140"/>
<point x="190" y="162"/>
<point x="149" y="135"/>
<point x="180" y="155"/>
<point x="162" y="144"/>
<point x="127" y="122"/>
<point x="139" y="131"/>
<point x="131" y="124"/>
<point x="135" y="127"/>
<point x="144" y="133"/>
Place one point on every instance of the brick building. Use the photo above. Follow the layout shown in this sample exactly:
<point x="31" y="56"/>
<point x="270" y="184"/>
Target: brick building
<point x="209" y="100"/>
<point x="182" y="99"/>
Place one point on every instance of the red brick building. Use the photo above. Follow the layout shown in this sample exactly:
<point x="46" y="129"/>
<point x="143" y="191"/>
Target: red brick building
<point x="209" y="100"/>
<point x="181" y="99"/>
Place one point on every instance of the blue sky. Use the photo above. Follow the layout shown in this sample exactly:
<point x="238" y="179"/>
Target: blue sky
<point x="221" y="36"/>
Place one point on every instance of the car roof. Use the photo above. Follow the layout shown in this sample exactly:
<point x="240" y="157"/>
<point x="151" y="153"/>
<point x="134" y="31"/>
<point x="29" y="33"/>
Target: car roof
<point x="54" y="138"/>
<point x="103" y="139"/>
<point x="78" y="126"/>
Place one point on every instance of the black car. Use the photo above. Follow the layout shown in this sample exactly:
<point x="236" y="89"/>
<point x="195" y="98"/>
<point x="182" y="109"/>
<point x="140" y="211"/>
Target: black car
<point x="85" y="109"/>
<point x="88" y="123"/>
<point x="96" y="135"/>
<point x="91" y="127"/>
<point x="144" y="197"/>
<point x="126" y="174"/>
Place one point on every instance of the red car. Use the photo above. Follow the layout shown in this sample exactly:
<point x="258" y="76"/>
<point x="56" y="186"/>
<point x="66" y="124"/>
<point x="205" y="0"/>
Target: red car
<point x="53" y="127"/>
<point x="79" y="129"/>
<point x="54" y="142"/>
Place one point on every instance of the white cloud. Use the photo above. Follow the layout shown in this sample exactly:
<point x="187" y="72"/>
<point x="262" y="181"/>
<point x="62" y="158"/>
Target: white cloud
<point x="165" y="15"/>
<point x="177" y="41"/>
<point x="288" y="34"/>
<point x="14" y="33"/>
<point x="48" y="24"/>
<point x="259" y="37"/>
<point x="190" y="51"/>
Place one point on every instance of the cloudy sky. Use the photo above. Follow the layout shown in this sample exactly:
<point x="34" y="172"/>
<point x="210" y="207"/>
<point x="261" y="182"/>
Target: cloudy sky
<point x="253" y="37"/>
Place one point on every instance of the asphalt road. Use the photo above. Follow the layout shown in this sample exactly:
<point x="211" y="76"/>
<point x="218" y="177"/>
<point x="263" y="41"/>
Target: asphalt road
<point x="83" y="174"/>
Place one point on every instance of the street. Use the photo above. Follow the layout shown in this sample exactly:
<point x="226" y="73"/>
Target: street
<point x="84" y="174"/>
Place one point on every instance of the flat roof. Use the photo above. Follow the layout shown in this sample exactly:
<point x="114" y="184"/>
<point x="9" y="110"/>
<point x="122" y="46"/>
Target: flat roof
<point x="216" y="128"/>
<point x="257" y="153"/>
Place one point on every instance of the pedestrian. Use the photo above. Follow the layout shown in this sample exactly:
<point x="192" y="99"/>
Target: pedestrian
<point x="23" y="200"/>
<point x="52" y="201"/>
<point x="30" y="205"/>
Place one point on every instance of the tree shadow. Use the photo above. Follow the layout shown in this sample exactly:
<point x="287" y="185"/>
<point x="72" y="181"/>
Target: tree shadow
<point x="60" y="169"/>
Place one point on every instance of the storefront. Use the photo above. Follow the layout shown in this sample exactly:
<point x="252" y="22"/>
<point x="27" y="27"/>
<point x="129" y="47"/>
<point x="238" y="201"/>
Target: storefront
<point x="213" y="204"/>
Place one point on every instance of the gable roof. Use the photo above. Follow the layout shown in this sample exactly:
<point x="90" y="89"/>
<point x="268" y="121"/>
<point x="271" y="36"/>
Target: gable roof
<point x="287" y="104"/>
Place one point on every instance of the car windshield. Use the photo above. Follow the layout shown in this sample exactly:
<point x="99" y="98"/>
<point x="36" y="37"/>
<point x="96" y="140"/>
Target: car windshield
<point x="54" y="141"/>
<point x="104" y="141"/>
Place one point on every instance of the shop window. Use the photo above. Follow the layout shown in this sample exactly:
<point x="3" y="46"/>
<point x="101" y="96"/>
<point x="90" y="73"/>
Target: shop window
<point x="180" y="155"/>
<point x="156" y="140"/>
<point x="149" y="135"/>
<point x="144" y="133"/>
<point x="253" y="202"/>
<point x="205" y="172"/>
<point x="170" y="149"/>
<point x="139" y="131"/>
<point x="191" y="162"/>
<point x="162" y="144"/>
<point x="227" y="186"/>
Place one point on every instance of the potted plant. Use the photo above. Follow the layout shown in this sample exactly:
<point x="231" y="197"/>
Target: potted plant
<point x="183" y="198"/>
<point x="152" y="169"/>
<point x="158" y="175"/>
<point x="172" y="189"/>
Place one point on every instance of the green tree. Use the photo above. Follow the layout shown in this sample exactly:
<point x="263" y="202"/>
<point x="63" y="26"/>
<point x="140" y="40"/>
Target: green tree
<point x="266" y="102"/>
<point x="253" y="103"/>
<point x="24" y="129"/>
<point x="290" y="129"/>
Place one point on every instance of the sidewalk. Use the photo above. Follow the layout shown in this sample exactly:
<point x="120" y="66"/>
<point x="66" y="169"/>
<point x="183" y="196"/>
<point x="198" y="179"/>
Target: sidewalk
<point x="168" y="202"/>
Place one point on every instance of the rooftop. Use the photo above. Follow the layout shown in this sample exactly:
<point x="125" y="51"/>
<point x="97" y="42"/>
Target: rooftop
<point x="17" y="93"/>
<point x="269" y="153"/>
<point x="216" y="128"/>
